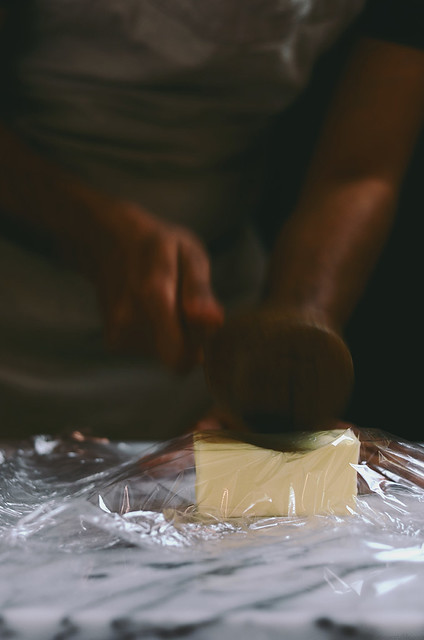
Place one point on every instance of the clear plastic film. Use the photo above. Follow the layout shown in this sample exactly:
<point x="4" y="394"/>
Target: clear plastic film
<point x="80" y="494"/>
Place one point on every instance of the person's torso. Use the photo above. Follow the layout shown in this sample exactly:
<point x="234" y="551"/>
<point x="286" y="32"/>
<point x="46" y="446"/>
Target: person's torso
<point x="165" y="102"/>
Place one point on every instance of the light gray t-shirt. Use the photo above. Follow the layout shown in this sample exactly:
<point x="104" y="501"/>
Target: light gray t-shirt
<point x="161" y="102"/>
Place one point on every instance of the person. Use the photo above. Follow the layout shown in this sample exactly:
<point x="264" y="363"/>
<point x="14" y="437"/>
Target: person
<point x="136" y="147"/>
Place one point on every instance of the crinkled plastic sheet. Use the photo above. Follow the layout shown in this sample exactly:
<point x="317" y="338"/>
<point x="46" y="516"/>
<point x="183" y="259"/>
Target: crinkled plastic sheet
<point x="77" y="494"/>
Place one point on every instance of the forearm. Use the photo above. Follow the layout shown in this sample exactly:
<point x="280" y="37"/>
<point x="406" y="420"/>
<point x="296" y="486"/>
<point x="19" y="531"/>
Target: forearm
<point x="42" y="196"/>
<point x="327" y="250"/>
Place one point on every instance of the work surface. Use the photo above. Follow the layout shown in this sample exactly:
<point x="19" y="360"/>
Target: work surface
<point x="69" y="569"/>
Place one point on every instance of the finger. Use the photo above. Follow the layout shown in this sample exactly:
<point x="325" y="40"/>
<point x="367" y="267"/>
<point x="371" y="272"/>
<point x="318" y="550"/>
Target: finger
<point x="199" y="307"/>
<point x="143" y="319"/>
<point x="160" y="303"/>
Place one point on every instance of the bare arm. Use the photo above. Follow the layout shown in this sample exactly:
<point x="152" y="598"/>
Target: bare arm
<point x="152" y="279"/>
<point x="326" y="252"/>
<point x="286" y="364"/>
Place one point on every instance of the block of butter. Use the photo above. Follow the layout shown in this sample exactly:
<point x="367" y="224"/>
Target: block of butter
<point x="237" y="479"/>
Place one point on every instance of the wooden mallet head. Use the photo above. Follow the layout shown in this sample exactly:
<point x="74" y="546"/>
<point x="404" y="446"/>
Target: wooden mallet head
<point x="278" y="372"/>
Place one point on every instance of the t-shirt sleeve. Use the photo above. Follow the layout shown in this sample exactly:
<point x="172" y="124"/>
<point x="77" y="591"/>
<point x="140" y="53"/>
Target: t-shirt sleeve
<point x="400" y="21"/>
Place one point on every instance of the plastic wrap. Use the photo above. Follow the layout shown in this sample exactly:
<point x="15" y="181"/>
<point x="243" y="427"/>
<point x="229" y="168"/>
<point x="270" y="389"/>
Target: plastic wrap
<point x="77" y="493"/>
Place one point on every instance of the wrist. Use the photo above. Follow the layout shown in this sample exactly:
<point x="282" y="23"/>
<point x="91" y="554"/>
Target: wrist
<point x="300" y="312"/>
<point x="327" y="249"/>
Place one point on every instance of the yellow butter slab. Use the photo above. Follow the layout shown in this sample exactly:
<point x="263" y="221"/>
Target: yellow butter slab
<point x="236" y="479"/>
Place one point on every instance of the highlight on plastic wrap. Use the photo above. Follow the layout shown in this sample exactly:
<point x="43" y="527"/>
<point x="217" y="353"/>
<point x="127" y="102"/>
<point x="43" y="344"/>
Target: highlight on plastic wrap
<point x="236" y="479"/>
